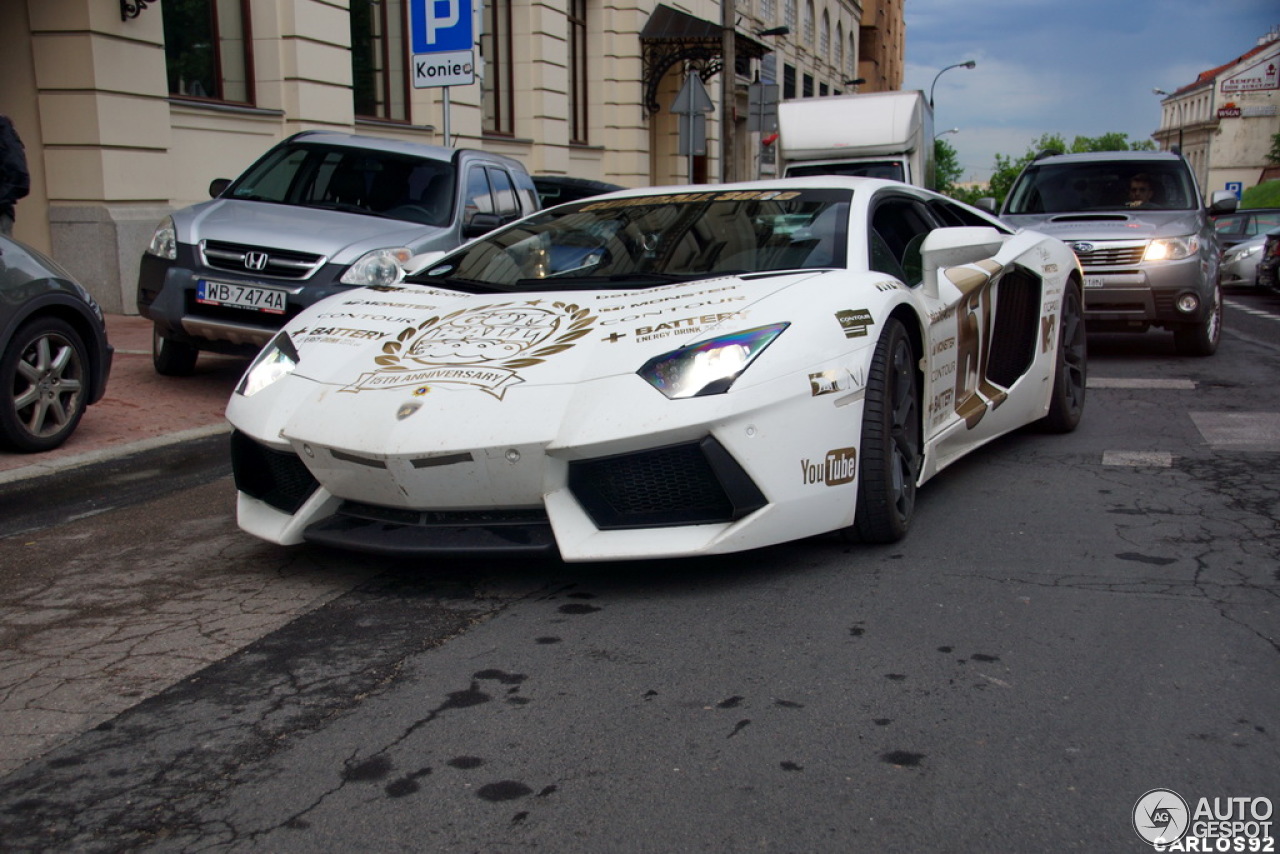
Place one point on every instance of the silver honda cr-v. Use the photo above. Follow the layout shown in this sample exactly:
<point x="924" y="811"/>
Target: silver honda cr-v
<point x="319" y="213"/>
<point x="1143" y="234"/>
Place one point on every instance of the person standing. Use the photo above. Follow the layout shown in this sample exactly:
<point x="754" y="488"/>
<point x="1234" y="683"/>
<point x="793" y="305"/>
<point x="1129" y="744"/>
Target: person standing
<point x="15" y="181"/>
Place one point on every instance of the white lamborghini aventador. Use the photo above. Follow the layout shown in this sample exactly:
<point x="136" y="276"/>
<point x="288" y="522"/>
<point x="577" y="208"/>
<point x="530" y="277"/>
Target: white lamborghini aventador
<point x="662" y="372"/>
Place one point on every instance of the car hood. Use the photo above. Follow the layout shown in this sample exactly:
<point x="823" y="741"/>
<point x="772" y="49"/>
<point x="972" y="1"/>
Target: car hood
<point x="513" y="368"/>
<point x="342" y="237"/>
<point x="409" y="336"/>
<point x="1110" y="225"/>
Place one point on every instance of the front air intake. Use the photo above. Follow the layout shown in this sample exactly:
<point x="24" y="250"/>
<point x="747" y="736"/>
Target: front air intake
<point x="691" y="484"/>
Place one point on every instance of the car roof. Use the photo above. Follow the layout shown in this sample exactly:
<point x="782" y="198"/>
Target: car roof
<point x="831" y="182"/>
<point x="391" y="146"/>
<point x="1109" y="157"/>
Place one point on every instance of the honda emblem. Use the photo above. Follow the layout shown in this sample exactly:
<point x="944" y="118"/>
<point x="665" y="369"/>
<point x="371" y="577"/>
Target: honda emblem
<point x="255" y="260"/>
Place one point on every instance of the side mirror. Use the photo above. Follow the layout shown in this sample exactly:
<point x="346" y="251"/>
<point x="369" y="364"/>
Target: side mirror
<point x="954" y="247"/>
<point x="1223" y="201"/>
<point x="987" y="203"/>
<point x="217" y="186"/>
<point x="481" y="223"/>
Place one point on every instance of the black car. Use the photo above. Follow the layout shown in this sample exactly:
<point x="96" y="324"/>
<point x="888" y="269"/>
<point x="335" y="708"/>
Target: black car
<point x="1269" y="265"/>
<point x="558" y="189"/>
<point x="55" y="359"/>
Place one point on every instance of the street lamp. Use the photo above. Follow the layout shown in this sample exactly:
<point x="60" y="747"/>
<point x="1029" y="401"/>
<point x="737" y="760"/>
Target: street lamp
<point x="970" y="64"/>
<point x="945" y="132"/>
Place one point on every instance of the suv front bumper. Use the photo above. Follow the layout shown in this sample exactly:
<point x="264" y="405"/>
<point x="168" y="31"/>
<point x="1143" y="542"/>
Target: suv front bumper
<point x="167" y="297"/>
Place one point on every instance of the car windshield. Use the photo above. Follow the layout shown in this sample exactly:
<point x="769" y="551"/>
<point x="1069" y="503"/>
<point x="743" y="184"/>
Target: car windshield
<point x="1103" y="186"/>
<point x="354" y="180"/>
<point x="651" y="240"/>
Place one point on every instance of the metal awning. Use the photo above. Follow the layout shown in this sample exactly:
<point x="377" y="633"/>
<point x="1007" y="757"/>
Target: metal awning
<point x="671" y="36"/>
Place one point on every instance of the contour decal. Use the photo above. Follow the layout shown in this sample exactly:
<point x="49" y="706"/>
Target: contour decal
<point x="855" y="322"/>
<point x="484" y="348"/>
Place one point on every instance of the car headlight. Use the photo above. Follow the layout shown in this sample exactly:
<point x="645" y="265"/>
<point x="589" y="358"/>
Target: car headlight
<point x="276" y="361"/>
<point x="1239" y="253"/>
<point x="708" y="367"/>
<point x="381" y="267"/>
<point x="164" y="243"/>
<point x="1172" y="248"/>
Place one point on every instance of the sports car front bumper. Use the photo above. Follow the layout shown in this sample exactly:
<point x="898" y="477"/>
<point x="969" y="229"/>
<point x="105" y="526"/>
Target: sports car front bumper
<point x="593" y="481"/>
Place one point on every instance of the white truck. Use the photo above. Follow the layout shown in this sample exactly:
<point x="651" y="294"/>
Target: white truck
<point x="877" y="134"/>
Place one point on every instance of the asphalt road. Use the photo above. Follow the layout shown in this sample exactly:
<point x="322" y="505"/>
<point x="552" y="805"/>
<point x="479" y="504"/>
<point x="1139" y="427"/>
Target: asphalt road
<point x="1073" y="621"/>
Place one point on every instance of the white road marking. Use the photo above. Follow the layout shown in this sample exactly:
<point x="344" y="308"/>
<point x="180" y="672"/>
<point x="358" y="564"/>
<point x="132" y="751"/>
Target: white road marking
<point x="1253" y="431"/>
<point x="1127" y="382"/>
<point x="1154" y="459"/>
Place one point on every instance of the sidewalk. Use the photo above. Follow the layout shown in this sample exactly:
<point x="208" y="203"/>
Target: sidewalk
<point x="141" y="410"/>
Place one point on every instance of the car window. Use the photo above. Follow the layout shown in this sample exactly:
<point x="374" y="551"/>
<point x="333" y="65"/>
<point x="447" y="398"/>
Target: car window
<point x="1101" y="186"/>
<point x="653" y="240"/>
<point x="1230" y="226"/>
<point x="902" y="225"/>
<point x="1263" y="222"/>
<point x="353" y="180"/>
<point x="528" y="192"/>
<point x="504" y="194"/>
<point x="478" y="199"/>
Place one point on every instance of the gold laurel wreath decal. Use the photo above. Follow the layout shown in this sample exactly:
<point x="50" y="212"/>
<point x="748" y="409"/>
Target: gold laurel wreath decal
<point x="580" y="320"/>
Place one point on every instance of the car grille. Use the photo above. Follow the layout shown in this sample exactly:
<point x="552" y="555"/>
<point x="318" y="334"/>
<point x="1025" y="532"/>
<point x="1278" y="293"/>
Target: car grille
<point x="691" y="484"/>
<point x="277" y="478"/>
<point x="259" y="261"/>
<point x="1112" y="256"/>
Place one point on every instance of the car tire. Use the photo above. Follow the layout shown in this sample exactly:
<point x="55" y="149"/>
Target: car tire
<point x="890" y="449"/>
<point x="172" y="358"/>
<point x="1070" y="373"/>
<point x="1201" y="338"/>
<point x="45" y="371"/>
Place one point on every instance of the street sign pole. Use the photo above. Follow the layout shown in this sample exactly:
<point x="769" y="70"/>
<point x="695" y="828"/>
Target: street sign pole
<point x="443" y="47"/>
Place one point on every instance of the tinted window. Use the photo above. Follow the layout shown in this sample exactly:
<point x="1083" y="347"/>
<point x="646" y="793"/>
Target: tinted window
<point x="1102" y="186"/>
<point x="352" y="180"/>
<point x="653" y="240"/>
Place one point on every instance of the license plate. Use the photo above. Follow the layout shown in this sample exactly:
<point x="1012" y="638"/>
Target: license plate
<point x="1118" y="280"/>
<point x="269" y="300"/>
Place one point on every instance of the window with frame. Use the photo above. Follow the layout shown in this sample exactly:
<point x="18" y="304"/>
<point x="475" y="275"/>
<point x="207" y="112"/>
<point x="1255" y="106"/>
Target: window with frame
<point x="578" y="71"/>
<point x="808" y="23"/>
<point x="498" y="84"/>
<point x="380" y="79"/>
<point x="768" y="13"/>
<point x="208" y="50"/>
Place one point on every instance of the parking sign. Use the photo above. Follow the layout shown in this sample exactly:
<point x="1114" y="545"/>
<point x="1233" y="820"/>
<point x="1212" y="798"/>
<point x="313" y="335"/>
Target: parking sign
<point x="443" y="41"/>
<point x="440" y="25"/>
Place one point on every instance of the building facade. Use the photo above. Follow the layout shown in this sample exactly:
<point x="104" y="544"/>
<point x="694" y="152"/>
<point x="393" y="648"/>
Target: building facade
<point x="1224" y="122"/>
<point x="129" y="108"/>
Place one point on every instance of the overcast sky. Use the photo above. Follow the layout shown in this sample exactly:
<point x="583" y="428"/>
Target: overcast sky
<point x="1076" y="68"/>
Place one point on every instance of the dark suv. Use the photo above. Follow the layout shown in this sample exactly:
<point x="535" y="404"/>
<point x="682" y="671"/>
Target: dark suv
<point x="318" y="213"/>
<point x="1142" y="233"/>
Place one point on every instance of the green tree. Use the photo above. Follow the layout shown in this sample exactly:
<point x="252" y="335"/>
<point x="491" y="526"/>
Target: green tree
<point x="1274" y="154"/>
<point x="946" y="166"/>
